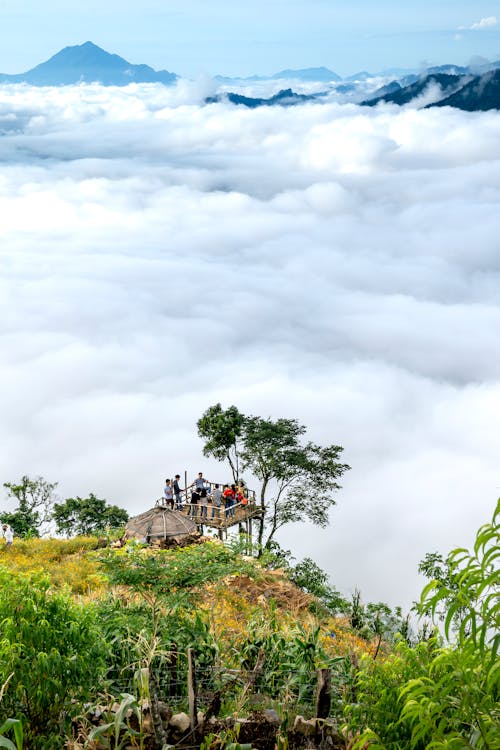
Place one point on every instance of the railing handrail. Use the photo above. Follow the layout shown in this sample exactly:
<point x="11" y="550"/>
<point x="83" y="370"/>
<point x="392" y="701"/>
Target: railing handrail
<point x="211" y="485"/>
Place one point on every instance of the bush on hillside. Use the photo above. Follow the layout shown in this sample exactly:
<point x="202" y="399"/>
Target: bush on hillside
<point x="51" y="657"/>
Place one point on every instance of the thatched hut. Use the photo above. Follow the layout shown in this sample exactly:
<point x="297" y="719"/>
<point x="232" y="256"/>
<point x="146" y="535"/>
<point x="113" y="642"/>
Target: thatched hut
<point x="162" y="525"/>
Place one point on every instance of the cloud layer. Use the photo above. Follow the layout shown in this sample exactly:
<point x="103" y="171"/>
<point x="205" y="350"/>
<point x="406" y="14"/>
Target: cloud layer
<point x="326" y="262"/>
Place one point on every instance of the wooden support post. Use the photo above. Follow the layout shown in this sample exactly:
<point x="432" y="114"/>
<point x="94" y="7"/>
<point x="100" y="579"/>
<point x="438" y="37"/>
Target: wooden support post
<point x="324" y="694"/>
<point x="250" y="545"/>
<point x="193" y="709"/>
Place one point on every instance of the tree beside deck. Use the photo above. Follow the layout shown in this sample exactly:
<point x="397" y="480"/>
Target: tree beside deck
<point x="298" y="479"/>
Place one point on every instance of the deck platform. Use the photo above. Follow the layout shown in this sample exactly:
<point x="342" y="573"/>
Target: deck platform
<point x="222" y="521"/>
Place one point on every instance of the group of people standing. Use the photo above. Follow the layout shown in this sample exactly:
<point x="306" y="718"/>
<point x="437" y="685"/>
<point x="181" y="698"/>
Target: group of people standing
<point x="172" y="493"/>
<point x="203" y="494"/>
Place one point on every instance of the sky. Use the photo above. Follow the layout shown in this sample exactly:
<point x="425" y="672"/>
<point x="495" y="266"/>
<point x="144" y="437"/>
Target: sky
<point x="194" y="37"/>
<point x="330" y="263"/>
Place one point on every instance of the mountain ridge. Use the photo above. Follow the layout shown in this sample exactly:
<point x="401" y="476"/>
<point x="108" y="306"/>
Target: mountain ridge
<point x="468" y="92"/>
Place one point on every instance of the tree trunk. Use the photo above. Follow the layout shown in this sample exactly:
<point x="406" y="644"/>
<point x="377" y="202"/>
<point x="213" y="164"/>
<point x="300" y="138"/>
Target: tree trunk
<point x="261" y="519"/>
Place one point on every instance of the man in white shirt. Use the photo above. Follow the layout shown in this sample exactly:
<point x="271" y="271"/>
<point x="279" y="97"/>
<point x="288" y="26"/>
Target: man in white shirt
<point x="168" y="494"/>
<point x="8" y="534"/>
<point x="199" y="483"/>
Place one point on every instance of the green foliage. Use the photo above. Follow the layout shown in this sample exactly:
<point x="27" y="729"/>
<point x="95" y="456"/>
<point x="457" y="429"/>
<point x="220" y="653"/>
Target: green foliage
<point x="458" y="700"/>
<point x="434" y="697"/>
<point x="116" y="733"/>
<point x="221" y="430"/>
<point x="302" y="476"/>
<point x="155" y="637"/>
<point x="378" y="619"/>
<point x="308" y="576"/>
<point x="375" y="709"/>
<point x="225" y="740"/>
<point x="173" y="572"/>
<point x="88" y="515"/>
<point x="35" y="498"/>
<point x="289" y="659"/>
<point x="51" y="654"/>
<point x="16" y="726"/>
<point x="166" y="581"/>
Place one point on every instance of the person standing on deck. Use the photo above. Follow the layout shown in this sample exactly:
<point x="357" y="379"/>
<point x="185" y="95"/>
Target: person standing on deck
<point x="203" y="502"/>
<point x="216" y="500"/>
<point x="229" y="500"/>
<point x="199" y="483"/>
<point x="241" y="494"/>
<point x="168" y="494"/>
<point x="177" y="492"/>
<point x="193" y="508"/>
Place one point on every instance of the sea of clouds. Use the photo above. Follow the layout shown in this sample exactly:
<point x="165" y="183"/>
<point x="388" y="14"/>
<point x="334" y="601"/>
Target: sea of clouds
<point x="327" y="262"/>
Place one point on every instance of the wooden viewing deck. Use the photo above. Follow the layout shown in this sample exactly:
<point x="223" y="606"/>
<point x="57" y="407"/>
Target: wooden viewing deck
<point x="220" y="518"/>
<point x="223" y="518"/>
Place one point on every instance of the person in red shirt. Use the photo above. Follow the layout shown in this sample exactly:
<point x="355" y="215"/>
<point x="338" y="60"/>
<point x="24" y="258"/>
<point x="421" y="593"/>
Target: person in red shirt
<point x="229" y="496"/>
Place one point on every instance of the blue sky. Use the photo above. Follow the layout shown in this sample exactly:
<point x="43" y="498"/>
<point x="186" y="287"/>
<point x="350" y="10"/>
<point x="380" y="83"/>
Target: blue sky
<point x="195" y="36"/>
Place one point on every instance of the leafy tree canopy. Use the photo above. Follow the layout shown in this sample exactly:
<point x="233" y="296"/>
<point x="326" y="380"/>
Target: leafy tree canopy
<point x="311" y="578"/>
<point x="35" y="498"/>
<point x="222" y="430"/>
<point x="87" y="515"/>
<point x="297" y="479"/>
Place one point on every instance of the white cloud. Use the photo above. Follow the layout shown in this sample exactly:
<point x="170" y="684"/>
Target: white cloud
<point x="484" y="23"/>
<point x="335" y="264"/>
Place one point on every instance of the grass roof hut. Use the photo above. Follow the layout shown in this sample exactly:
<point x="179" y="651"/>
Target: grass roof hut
<point x="162" y="526"/>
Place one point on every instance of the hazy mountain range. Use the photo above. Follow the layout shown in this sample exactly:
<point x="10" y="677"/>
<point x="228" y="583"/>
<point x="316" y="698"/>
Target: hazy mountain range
<point x="471" y="88"/>
<point x="321" y="74"/>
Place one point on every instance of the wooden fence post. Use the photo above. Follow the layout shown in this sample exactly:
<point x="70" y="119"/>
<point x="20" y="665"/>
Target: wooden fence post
<point x="324" y="693"/>
<point x="159" y="731"/>
<point x="193" y="709"/>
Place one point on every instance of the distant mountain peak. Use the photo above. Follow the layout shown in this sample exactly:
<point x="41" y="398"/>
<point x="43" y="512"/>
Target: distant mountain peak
<point x="89" y="63"/>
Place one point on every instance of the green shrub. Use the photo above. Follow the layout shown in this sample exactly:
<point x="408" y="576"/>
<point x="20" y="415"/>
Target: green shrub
<point x="376" y="696"/>
<point x="458" y="700"/>
<point x="434" y="697"/>
<point x="51" y="656"/>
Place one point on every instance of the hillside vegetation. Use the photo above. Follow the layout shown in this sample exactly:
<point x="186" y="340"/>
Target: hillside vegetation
<point x="96" y="646"/>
